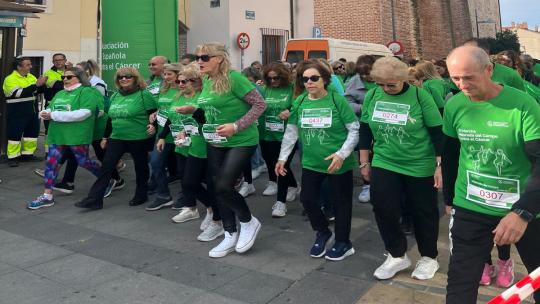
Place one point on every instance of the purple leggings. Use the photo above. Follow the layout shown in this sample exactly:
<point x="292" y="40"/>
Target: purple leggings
<point x="55" y="155"/>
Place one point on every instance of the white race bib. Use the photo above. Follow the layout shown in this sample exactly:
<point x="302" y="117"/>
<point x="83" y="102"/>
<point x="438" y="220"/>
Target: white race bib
<point x="492" y="191"/>
<point x="274" y="124"/>
<point x="316" y="118"/>
<point x="161" y="119"/>
<point x="210" y="134"/>
<point x="391" y="113"/>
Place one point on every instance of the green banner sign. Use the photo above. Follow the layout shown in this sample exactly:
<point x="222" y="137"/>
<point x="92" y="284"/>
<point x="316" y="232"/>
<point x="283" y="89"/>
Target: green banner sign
<point x="136" y="30"/>
<point x="11" y="21"/>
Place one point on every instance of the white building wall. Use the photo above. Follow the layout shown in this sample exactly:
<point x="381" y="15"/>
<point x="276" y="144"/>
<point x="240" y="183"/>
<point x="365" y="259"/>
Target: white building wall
<point x="530" y="42"/>
<point x="207" y="24"/>
<point x="304" y="11"/>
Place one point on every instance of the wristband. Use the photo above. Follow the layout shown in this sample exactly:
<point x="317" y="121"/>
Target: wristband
<point x="363" y="165"/>
<point x="235" y="128"/>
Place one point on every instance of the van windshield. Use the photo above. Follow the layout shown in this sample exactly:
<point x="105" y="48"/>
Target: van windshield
<point x="317" y="54"/>
<point x="295" y="56"/>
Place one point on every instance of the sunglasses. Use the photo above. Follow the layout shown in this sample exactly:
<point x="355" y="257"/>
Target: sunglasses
<point x="313" y="78"/>
<point x="185" y="81"/>
<point x="204" y="58"/>
<point x="120" y="77"/>
<point x="339" y="67"/>
<point x="274" y="78"/>
<point x="68" y="77"/>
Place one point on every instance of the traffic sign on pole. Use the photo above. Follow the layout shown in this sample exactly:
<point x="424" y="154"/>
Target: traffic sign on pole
<point x="396" y="47"/>
<point x="243" y="41"/>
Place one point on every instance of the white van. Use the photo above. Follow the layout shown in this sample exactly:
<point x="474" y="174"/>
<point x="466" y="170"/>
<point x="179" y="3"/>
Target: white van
<point x="331" y="49"/>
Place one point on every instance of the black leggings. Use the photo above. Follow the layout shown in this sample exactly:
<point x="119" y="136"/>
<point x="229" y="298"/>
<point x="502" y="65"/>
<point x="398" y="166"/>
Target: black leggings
<point x="341" y="187"/>
<point x="71" y="165"/>
<point x="226" y="164"/>
<point x="115" y="149"/>
<point x="270" y="152"/>
<point x="196" y="173"/>
<point x="387" y="191"/>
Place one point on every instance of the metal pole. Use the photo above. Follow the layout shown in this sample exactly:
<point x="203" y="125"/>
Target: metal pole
<point x="19" y="49"/>
<point x="291" y="9"/>
<point x="394" y="35"/>
<point x="477" y="29"/>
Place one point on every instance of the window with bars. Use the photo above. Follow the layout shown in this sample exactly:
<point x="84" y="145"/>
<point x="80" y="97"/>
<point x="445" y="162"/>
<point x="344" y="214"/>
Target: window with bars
<point x="273" y="42"/>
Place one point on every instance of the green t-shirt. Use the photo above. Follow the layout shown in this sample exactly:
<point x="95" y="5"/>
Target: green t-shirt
<point x="399" y="125"/>
<point x="532" y="90"/>
<point x="507" y="76"/>
<point x="536" y="69"/>
<point x="437" y="89"/>
<point x="322" y="130"/>
<point x="194" y="130"/>
<point x="369" y="84"/>
<point x="227" y="108"/>
<point x="271" y="127"/>
<point x="165" y="100"/>
<point x="177" y="122"/>
<point x="76" y="132"/>
<point x="129" y="115"/>
<point x="103" y="117"/>
<point x="154" y="86"/>
<point x="493" y="166"/>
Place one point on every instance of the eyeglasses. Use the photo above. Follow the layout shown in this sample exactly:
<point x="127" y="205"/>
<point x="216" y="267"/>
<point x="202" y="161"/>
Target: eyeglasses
<point x="68" y="77"/>
<point x="184" y="81"/>
<point x="313" y="78"/>
<point x="204" y="58"/>
<point x="274" y="78"/>
<point x="339" y="67"/>
<point x="120" y="77"/>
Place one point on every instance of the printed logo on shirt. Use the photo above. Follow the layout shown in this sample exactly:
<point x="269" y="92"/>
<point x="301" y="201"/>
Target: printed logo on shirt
<point x="499" y="124"/>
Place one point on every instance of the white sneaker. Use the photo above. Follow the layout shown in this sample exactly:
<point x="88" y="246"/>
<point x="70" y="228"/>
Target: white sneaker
<point x="392" y="266"/>
<point x="212" y="231"/>
<point x="425" y="268"/>
<point x="364" y="197"/>
<point x="248" y="234"/>
<point x="186" y="214"/>
<point x="271" y="189"/>
<point x="225" y="247"/>
<point x="246" y="189"/>
<point x="279" y="209"/>
<point x="291" y="194"/>
<point x="206" y="221"/>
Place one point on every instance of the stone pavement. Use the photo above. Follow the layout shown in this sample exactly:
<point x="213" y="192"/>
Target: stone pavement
<point x="125" y="254"/>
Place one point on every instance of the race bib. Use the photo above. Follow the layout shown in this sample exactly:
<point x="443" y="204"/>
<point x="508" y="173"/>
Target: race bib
<point x="161" y="119"/>
<point x="62" y="107"/>
<point x="316" y="118"/>
<point x="492" y="191"/>
<point x="274" y="124"/>
<point x="191" y="127"/>
<point x="391" y="113"/>
<point x="176" y="129"/>
<point x="210" y="134"/>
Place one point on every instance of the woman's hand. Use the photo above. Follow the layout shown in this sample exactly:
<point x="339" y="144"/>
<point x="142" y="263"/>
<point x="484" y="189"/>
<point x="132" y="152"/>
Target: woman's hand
<point x="46" y="115"/>
<point x="336" y="163"/>
<point x="150" y="129"/>
<point x="152" y="117"/>
<point x="437" y="178"/>
<point x="226" y="130"/>
<point x="103" y="143"/>
<point x="280" y="168"/>
<point x="284" y="115"/>
<point x="448" y="209"/>
<point x="185" y="109"/>
<point x="366" y="172"/>
<point x="181" y="135"/>
<point x="160" y="144"/>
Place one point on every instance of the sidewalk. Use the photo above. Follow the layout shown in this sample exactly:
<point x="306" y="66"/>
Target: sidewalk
<point x="125" y="254"/>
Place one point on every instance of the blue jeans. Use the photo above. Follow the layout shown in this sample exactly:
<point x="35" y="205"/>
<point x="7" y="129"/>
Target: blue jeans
<point x="159" y="175"/>
<point x="257" y="159"/>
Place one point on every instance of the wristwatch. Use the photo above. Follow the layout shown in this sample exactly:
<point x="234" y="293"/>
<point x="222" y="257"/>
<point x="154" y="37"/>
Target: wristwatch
<point x="524" y="214"/>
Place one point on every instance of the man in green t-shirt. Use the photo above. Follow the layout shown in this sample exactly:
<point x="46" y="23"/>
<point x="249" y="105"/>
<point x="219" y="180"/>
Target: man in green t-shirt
<point x="155" y="65"/>
<point x="492" y="141"/>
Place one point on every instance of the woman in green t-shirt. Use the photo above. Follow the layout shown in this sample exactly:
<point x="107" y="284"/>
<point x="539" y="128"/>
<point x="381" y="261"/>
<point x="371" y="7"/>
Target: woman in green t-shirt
<point x="432" y="82"/>
<point x="328" y="131"/>
<point x="164" y="148"/>
<point x="231" y="105"/>
<point x="404" y="125"/>
<point x="128" y="130"/>
<point x="277" y="92"/>
<point x="72" y="114"/>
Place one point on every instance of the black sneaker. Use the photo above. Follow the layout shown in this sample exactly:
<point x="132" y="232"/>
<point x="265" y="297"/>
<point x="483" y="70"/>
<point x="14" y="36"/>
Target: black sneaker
<point x="318" y="250"/>
<point x="13" y="162"/>
<point x="64" y="187"/>
<point x="31" y="158"/>
<point x="119" y="184"/>
<point x="110" y="187"/>
<point x="340" y="251"/>
<point x="136" y="201"/>
<point x="159" y="203"/>
<point x="173" y="178"/>
<point x="87" y="203"/>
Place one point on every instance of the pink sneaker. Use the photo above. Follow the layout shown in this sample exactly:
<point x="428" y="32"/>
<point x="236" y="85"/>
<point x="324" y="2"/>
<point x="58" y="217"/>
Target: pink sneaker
<point x="487" y="274"/>
<point x="505" y="275"/>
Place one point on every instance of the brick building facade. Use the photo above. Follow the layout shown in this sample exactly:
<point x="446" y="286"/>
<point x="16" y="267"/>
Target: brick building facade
<point x="428" y="28"/>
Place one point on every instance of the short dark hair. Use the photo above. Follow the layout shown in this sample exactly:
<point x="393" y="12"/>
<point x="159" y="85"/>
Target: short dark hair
<point x="313" y="64"/>
<point x="17" y="61"/>
<point x="281" y="70"/>
<point x="364" y="64"/>
<point x="59" y="54"/>
<point x="253" y="73"/>
<point x="191" y="57"/>
<point x="342" y="60"/>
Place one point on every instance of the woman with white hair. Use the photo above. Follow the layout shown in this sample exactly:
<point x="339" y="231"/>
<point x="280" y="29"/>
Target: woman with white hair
<point x="405" y="126"/>
<point x="232" y="105"/>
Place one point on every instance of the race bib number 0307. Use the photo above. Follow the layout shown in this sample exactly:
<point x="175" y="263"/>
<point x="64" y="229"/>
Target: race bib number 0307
<point x="492" y="191"/>
<point x="391" y="113"/>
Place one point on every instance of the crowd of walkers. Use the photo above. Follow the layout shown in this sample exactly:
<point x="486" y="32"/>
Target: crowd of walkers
<point x="467" y="125"/>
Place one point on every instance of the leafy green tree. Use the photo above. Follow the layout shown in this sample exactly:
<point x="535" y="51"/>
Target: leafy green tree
<point x="505" y="40"/>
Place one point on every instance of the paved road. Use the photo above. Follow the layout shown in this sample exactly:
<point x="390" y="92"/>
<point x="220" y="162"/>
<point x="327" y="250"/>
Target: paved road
<point x="124" y="254"/>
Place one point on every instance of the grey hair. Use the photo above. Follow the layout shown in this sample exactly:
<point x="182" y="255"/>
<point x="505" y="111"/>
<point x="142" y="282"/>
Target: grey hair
<point x="478" y="55"/>
<point x="81" y="75"/>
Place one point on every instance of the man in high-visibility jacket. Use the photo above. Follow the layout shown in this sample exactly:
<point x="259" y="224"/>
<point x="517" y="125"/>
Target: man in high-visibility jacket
<point x="20" y="89"/>
<point x="54" y="84"/>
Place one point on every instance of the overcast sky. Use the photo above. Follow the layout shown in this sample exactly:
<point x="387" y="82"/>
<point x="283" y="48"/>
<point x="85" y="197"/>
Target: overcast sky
<point x="519" y="11"/>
